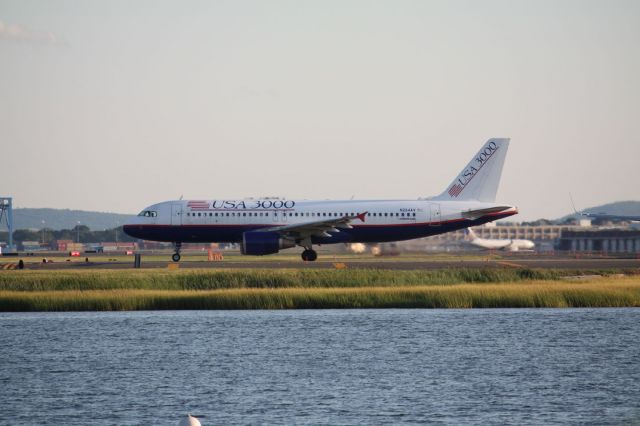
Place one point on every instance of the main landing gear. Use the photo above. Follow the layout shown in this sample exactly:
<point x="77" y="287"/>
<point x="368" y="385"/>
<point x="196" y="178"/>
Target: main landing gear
<point x="176" y="256"/>
<point x="309" y="255"/>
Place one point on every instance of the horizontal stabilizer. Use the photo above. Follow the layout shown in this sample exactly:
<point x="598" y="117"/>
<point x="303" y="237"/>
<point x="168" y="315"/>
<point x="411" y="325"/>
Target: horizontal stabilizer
<point x="478" y="213"/>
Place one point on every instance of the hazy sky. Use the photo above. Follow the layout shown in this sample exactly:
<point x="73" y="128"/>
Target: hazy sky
<point x="115" y="105"/>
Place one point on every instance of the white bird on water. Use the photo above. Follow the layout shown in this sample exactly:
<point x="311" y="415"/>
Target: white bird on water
<point x="189" y="421"/>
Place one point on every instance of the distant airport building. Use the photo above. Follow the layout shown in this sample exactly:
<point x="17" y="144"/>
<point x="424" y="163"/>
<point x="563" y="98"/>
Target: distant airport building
<point x="546" y="237"/>
<point x="67" y="245"/>
<point x="32" y="246"/>
<point x="157" y="245"/>
<point x="110" y="247"/>
<point x="602" y="240"/>
<point x="523" y="232"/>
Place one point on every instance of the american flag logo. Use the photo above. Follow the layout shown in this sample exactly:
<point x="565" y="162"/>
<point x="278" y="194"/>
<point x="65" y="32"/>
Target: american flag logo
<point x="198" y="205"/>
<point x="455" y="190"/>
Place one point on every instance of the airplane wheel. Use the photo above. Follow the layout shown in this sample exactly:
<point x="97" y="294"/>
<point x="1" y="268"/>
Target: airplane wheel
<point x="176" y="257"/>
<point x="309" y="255"/>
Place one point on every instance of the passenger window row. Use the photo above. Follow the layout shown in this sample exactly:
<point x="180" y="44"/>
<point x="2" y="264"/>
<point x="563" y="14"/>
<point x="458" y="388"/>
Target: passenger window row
<point x="227" y="214"/>
<point x="266" y="214"/>
<point x="353" y="214"/>
<point x="391" y="214"/>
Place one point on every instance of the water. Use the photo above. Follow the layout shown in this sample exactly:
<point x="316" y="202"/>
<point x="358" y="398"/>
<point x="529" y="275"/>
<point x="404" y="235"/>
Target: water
<point x="542" y="366"/>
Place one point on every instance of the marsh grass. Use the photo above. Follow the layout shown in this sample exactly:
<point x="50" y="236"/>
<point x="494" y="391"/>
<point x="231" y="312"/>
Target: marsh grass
<point x="623" y="292"/>
<point x="305" y="289"/>
<point x="248" y="278"/>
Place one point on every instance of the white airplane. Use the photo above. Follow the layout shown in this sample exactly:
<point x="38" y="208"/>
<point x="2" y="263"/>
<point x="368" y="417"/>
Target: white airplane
<point x="498" y="244"/>
<point x="266" y="226"/>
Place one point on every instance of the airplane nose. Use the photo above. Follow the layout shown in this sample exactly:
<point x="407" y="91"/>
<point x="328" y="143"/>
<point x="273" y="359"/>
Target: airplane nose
<point x="133" y="229"/>
<point x="128" y="229"/>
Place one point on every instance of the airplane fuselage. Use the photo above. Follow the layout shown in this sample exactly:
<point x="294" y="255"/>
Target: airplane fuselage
<point x="503" y="244"/>
<point x="380" y="221"/>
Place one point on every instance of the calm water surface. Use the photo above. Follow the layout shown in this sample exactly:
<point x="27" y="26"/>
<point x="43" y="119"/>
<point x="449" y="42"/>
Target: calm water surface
<point x="521" y="366"/>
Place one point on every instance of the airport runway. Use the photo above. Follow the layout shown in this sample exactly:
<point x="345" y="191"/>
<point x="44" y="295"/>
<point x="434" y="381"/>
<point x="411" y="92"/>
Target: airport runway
<point x="584" y="264"/>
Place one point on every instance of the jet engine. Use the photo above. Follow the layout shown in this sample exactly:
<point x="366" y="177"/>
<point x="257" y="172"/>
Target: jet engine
<point x="260" y="243"/>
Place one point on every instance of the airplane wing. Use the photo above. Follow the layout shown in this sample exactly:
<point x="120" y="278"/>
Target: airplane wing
<point x="320" y="228"/>
<point x="478" y="213"/>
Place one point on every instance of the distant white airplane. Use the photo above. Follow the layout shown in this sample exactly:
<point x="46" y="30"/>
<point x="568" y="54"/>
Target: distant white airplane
<point x="498" y="244"/>
<point x="266" y="226"/>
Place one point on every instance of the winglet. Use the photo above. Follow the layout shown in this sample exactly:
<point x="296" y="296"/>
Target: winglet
<point x="361" y="216"/>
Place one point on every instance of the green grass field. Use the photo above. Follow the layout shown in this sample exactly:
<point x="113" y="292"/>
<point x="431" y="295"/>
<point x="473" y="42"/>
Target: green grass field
<point x="306" y="289"/>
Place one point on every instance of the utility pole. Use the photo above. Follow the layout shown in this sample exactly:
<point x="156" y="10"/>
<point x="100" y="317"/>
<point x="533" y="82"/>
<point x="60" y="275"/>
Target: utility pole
<point x="78" y="233"/>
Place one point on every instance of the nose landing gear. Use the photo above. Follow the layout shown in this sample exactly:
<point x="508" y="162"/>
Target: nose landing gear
<point x="176" y="256"/>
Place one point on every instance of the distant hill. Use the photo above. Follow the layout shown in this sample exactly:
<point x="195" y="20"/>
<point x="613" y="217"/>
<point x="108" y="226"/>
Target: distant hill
<point x="57" y="219"/>
<point x="625" y="208"/>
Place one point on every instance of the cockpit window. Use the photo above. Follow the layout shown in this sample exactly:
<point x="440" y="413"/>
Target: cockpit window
<point x="148" y="213"/>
